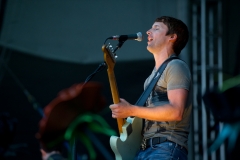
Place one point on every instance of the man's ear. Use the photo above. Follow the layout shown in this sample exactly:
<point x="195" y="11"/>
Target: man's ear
<point x="173" y="38"/>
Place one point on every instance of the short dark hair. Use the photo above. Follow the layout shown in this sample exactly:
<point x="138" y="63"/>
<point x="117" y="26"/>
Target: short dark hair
<point x="176" y="26"/>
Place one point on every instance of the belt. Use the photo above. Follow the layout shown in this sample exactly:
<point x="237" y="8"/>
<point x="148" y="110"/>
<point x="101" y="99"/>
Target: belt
<point x="156" y="140"/>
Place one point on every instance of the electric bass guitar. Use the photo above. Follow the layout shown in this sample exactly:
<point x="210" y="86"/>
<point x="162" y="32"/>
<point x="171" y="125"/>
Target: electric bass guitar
<point x="126" y="146"/>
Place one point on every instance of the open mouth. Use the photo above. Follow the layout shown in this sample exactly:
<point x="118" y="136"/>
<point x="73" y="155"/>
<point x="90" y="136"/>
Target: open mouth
<point x="150" y="39"/>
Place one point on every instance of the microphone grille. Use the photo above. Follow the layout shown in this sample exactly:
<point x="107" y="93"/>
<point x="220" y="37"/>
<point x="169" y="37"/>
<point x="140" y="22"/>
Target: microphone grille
<point x="140" y="36"/>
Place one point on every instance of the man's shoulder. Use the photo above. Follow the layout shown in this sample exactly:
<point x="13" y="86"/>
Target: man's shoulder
<point x="178" y="63"/>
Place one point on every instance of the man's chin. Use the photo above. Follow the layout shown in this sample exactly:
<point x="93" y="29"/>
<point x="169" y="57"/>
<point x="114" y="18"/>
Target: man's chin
<point x="149" y="48"/>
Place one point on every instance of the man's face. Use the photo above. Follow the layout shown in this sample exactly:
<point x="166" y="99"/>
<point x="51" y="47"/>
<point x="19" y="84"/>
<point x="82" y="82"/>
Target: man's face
<point x="157" y="37"/>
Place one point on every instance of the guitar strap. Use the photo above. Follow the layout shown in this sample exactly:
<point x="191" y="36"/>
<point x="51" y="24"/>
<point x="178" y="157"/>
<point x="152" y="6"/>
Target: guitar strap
<point x="143" y="98"/>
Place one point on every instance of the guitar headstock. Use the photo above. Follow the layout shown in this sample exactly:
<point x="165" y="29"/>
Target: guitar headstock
<point x="109" y="56"/>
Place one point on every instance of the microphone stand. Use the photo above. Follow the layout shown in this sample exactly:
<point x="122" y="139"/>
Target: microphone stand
<point x="119" y="45"/>
<point x="103" y="64"/>
<point x="99" y="69"/>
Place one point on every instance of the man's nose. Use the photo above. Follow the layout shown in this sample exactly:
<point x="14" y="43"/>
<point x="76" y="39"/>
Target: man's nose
<point x="148" y="32"/>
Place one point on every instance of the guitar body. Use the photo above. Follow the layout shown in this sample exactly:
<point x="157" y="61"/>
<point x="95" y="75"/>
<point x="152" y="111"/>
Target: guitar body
<point x="128" y="144"/>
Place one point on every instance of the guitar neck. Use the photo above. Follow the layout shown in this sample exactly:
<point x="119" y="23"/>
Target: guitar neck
<point x="110" y="61"/>
<point x="115" y="96"/>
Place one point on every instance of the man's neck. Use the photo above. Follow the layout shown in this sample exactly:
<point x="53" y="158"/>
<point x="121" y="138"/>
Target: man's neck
<point x="161" y="57"/>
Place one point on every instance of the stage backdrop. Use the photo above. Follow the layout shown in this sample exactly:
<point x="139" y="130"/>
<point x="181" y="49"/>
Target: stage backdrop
<point x="74" y="31"/>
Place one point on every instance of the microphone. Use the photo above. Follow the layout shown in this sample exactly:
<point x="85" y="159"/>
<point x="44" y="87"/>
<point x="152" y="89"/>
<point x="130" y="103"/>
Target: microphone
<point x="138" y="36"/>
